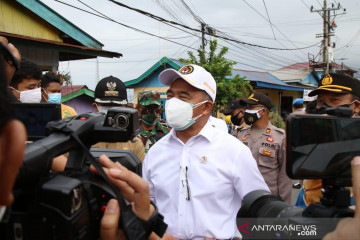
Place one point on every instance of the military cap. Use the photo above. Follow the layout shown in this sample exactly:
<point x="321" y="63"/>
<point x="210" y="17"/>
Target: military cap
<point x="147" y="97"/>
<point x="111" y="90"/>
<point x="338" y="83"/>
<point x="235" y="104"/>
<point x="257" y="98"/>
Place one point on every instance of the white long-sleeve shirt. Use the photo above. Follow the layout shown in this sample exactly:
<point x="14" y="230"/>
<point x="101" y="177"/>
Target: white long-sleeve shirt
<point x="220" y="172"/>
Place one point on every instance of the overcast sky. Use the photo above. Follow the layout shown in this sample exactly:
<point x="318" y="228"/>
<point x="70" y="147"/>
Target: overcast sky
<point x="293" y="26"/>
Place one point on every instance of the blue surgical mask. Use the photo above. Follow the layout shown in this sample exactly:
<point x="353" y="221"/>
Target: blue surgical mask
<point x="54" y="98"/>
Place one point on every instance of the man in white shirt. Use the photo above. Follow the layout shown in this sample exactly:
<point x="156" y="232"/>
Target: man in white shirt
<point x="198" y="174"/>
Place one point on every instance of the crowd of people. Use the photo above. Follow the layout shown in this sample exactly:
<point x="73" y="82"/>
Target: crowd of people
<point x="195" y="170"/>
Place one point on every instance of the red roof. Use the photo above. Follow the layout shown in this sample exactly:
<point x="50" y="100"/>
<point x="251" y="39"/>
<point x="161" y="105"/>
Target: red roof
<point x="305" y="65"/>
<point x="69" y="89"/>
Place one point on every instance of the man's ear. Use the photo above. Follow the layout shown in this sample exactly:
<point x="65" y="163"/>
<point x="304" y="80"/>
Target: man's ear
<point x="357" y="107"/>
<point x="15" y="93"/>
<point x="95" y="106"/>
<point x="208" y="107"/>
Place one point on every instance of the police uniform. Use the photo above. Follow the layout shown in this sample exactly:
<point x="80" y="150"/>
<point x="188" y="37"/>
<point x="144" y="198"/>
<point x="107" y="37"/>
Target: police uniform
<point x="269" y="152"/>
<point x="112" y="91"/>
<point x="134" y="145"/>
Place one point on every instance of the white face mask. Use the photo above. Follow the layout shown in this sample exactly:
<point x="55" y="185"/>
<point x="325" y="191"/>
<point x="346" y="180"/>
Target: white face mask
<point x="179" y="113"/>
<point x="30" y="96"/>
<point x="103" y="109"/>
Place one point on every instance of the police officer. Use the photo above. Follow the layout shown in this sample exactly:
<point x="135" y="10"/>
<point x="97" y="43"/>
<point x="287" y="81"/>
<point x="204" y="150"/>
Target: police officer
<point x="149" y="107"/>
<point x="236" y="112"/>
<point x="111" y="92"/>
<point x="334" y="90"/>
<point x="267" y="144"/>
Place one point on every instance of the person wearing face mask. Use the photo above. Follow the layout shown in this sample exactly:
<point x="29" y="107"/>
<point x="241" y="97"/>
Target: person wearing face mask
<point x="51" y="93"/>
<point x="111" y="92"/>
<point x="149" y="107"/>
<point x="236" y="111"/>
<point x="25" y="84"/>
<point x="267" y="144"/>
<point x="198" y="172"/>
<point x="334" y="90"/>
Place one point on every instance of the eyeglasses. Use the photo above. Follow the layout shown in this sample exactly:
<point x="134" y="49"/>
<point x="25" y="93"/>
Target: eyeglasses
<point x="185" y="182"/>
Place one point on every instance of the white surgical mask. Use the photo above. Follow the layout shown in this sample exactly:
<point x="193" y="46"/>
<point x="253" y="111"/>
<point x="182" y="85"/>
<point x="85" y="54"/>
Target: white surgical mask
<point x="30" y="96"/>
<point x="179" y="113"/>
<point x="104" y="109"/>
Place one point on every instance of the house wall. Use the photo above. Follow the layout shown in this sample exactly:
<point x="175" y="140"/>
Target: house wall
<point x="16" y="19"/>
<point x="81" y="104"/>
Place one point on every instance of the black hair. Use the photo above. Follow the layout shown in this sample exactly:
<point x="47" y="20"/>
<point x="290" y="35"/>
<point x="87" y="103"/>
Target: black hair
<point x="298" y="105"/>
<point x="311" y="106"/>
<point x="27" y="70"/>
<point x="48" y="78"/>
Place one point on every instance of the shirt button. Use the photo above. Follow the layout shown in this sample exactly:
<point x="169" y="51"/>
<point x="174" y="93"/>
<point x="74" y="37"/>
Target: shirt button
<point x="180" y="214"/>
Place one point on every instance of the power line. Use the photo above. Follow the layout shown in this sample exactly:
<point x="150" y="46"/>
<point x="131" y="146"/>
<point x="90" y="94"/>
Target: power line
<point x="269" y="20"/>
<point x="127" y="26"/>
<point x="197" y="30"/>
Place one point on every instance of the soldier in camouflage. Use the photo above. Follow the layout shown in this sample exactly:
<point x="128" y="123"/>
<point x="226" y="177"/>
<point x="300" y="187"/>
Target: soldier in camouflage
<point x="149" y="107"/>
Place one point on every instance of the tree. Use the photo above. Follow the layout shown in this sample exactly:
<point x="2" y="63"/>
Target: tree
<point x="65" y="78"/>
<point x="228" y="87"/>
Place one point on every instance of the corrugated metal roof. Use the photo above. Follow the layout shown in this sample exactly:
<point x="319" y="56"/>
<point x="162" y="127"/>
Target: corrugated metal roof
<point x="258" y="76"/>
<point x="69" y="89"/>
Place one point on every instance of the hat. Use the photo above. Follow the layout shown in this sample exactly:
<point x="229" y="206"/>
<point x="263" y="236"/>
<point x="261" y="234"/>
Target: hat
<point x="195" y="75"/>
<point x="146" y="98"/>
<point x="235" y="104"/>
<point x="338" y="83"/>
<point x="111" y="90"/>
<point x="298" y="101"/>
<point x="257" y="98"/>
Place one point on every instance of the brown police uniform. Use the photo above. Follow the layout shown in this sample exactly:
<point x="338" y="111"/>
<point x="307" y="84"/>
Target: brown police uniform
<point x="134" y="145"/>
<point x="269" y="152"/>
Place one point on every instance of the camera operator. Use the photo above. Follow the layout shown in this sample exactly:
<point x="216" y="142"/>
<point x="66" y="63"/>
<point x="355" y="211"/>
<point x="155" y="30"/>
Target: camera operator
<point x="12" y="132"/>
<point x="111" y="92"/>
<point x="334" y="90"/>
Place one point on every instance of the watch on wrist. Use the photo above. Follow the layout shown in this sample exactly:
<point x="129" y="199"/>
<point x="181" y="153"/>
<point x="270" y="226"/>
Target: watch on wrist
<point x="154" y="224"/>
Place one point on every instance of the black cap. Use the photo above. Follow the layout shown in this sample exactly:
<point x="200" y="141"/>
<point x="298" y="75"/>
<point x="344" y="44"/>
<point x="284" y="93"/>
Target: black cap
<point x="257" y="98"/>
<point x="111" y="90"/>
<point x="235" y="104"/>
<point x="338" y="83"/>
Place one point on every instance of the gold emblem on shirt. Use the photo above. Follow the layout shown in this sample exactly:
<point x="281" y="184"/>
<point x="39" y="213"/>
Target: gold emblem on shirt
<point x="203" y="159"/>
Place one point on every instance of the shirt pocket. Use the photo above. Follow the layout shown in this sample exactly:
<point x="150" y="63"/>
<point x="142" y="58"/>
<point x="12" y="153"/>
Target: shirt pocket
<point x="267" y="157"/>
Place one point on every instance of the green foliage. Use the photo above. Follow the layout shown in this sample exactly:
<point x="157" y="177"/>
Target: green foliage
<point x="276" y="120"/>
<point x="228" y="88"/>
<point x="65" y="78"/>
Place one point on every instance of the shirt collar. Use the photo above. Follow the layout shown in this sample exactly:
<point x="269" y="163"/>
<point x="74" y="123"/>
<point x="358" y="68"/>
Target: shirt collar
<point x="208" y="132"/>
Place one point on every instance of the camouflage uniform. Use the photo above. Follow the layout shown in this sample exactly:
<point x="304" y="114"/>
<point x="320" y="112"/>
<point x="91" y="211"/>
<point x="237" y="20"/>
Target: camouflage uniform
<point x="269" y="153"/>
<point x="151" y="116"/>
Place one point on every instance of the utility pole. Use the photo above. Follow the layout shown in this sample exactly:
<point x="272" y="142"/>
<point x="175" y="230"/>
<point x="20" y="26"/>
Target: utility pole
<point x="203" y="36"/>
<point x="328" y="31"/>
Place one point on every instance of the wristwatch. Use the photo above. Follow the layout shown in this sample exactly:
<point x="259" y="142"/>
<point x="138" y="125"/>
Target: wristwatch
<point x="154" y="224"/>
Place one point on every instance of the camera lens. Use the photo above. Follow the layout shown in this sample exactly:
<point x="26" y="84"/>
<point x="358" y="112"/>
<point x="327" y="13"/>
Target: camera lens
<point x="121" y="120"/>
<point x="261" y="203"/>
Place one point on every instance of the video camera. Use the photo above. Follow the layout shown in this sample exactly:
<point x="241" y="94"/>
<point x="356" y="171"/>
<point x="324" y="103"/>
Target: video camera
<point x="70" y="204"/>
<point x="317" y="147"/>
